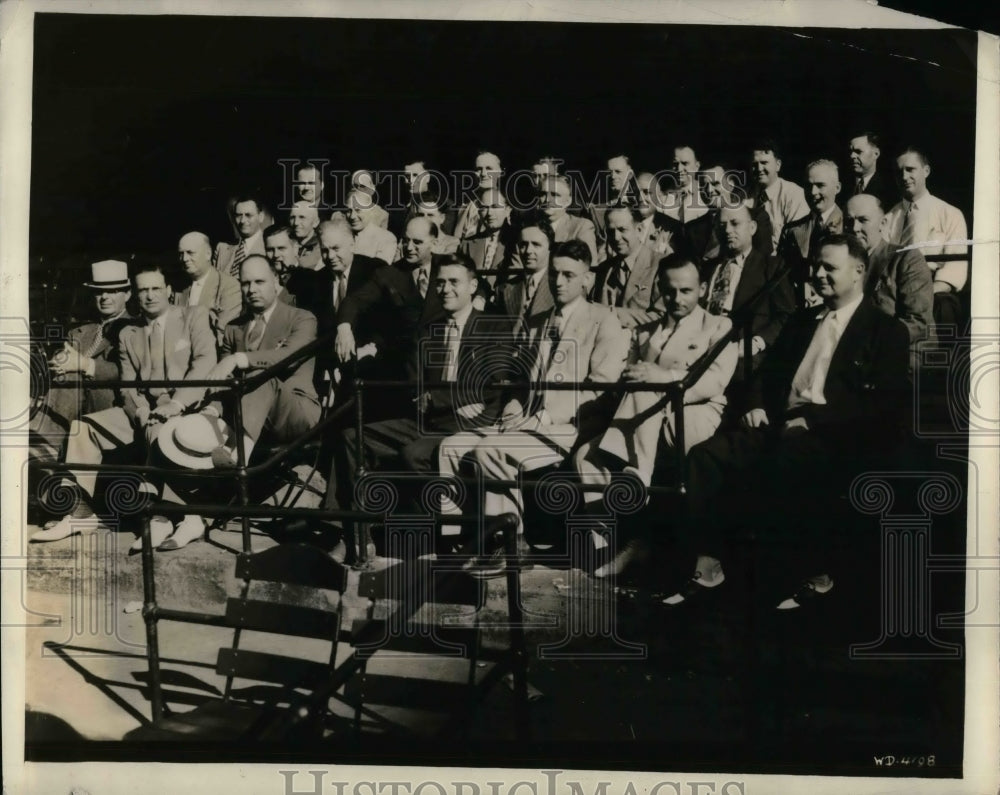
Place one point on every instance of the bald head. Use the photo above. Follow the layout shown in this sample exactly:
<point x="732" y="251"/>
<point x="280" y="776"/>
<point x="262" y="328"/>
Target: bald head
<point x="737" y="228"/>
<point x="863" y="218"/>
<point x="195" y="253"/>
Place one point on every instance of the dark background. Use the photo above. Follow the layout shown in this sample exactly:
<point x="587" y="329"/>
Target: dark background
<point x="144" y="125"/>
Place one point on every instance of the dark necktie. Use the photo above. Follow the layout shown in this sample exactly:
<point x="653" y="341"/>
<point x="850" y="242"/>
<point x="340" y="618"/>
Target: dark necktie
<point x="239" y="255"/>
<point x="860" y="186"/>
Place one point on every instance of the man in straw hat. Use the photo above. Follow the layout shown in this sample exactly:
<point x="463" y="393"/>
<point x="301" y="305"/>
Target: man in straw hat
<point x="174" y="343"/>
<point x="90" y="352"/>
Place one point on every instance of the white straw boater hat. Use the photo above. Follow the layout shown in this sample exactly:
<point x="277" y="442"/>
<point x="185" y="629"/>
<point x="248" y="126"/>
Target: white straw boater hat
<point x="189" y="439"/>
<point x="108" y="274"/>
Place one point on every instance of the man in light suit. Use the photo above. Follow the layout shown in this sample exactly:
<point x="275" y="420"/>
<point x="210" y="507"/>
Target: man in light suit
<point x="627" y="280"/>
<point x="555" y="199"/>
<point x="370" y="239"/>
<point x="829" y="403"/>
<point x="218" y="292"/>
<point x="90" y="352"/>
<point x="645" y="420"/>
<point x="173" y="343"/>
<point x="866" y="177"/>
<point x="800" y="238"/>
<point x="898" y="280"/>
<point x="488" y="173"/>
<point x="249" y="218"/>
<point x="576" y="341"/>
<point x="936" y="227"/>
<point x="739" y="273"/>
<point x="784" y="201"/>
<point x="286" y="406"/>
<point x="525" y="294"/>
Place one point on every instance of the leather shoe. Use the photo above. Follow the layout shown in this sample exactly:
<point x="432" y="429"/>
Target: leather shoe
<point x="632" y="552"/>
<point x="693" y="590"/>
<point x="160" y="529"/>
<point x="190" y="528"/>
<point x="807" y="594"/>
<point x="66" y="527"/>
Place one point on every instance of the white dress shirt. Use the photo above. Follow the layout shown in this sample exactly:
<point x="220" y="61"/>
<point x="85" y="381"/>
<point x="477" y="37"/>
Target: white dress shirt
<point x="810" y="378"/>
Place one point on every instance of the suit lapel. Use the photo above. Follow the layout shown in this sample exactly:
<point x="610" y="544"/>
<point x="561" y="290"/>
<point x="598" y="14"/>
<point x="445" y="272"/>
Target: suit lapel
<point x="207" y="297"/>
<point x="172" y="332"/>
<point x="749" y="279"/>
<point x="275" y="328"/>
<point x="852" y="342"/>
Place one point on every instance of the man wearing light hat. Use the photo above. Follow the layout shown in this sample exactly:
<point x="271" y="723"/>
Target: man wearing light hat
<point x="174" y="343"/>
<point x="90" y="352"/>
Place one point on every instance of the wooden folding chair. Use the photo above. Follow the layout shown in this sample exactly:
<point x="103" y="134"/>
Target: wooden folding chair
<point x="286" y="696"/>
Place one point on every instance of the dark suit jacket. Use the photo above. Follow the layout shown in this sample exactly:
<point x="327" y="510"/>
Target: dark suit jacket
<point x="771" y="312"/>
<point x="880" y="186"/>
<point x="700" y="237"/>
<point x="484" y="355"/>
<point x="900" y="284"/>
<point x="313" y="290"/>
<point x="866" y="387"/>
<point x="475" y="248"/>
<point x="510" y="295"/>
<point x="105" y="356"/>
<point x="288" y="330"/>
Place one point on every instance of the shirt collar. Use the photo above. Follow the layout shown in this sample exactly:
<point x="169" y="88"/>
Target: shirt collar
<point x="772" y="190"/>
<point x="536" y="277"/>
<point x="200" y="281"/>
<point x="266" y="314"/>
<point x="843" y="315"/>
<point x="567" y="311"/>
<point x="462" y="316"/>
<point x="824" y="217"/>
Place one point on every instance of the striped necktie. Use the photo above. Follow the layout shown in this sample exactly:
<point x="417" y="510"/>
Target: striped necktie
<point x="238" y="256"/>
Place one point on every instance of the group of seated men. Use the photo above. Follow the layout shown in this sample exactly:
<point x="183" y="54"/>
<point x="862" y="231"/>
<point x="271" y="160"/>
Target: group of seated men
<point x="482" y="322"/>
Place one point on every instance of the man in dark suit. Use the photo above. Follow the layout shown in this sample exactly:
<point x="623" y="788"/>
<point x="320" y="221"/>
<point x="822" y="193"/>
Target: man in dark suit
<point x="700" y="237"/>
<point x="736" y="277"/>
<point x="281" y="251"/>
<point x="90" y="352"/>
<point x="799" y="239"/>
<point x="829" y="403"/>
<point x="526" y="294"/>
<point x="215" y="290"/>
<point x="555" y="200"/>
<point x="248" y="217"/>
<point x="488" y="248"/>
<point x="174" y="343"/>
<point x="621" y="181"/>
<point x="462" y="347"/>
<point x="899" y="281"/>
<point x="626" y="281"/>
<point x="865" y="174"/>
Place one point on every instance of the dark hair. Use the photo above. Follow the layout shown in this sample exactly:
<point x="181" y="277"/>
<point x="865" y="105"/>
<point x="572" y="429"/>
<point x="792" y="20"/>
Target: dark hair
<point x="676" y="260"/>
<point x="277" y="229"/>
<point x="240" y="198"/>
<point x="573" y="249"/>
<point x="535" y="218"/>
<point x="150" y="266"/>
<point x="634" y="212"/>
<point x="459" y="259"/>
<point x="432" y="228"/>
<point x="767" y="145"/>
<point x="912" y="150"/>
<point x="855" y="250"/>
<point x="873" y="138"/>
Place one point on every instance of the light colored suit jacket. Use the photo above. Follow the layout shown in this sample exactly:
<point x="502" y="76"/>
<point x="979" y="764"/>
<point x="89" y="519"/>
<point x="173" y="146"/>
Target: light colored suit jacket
<point x="641" y="301"/>
<point x="373" y="241"/>
<point x="288" y="330"/>
<point x="573" y="227"/>
<point x="944" y="223"/>
<point x="189" y="347"/>
<point x="691" y="338"/>
<point x="787" y="204"/>
<point x="592" y="347"/>
<point x="222" y="298"/>
<point x="224" y="252"/>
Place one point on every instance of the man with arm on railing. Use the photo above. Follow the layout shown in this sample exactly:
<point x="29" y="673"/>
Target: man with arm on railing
<point x="575" y="342"/>
<point x="173" y="343"/>
<point x="626" y="281"/>
<point x="924" y="221"/>
<point x="645" y="421"/>
<point x="829" y="402"/>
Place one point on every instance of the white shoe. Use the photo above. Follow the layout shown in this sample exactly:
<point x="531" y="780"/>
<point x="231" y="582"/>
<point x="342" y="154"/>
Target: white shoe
<point x="68" y="526"/>
<point x="190" y="528"/>
<point x="160" y="529"/>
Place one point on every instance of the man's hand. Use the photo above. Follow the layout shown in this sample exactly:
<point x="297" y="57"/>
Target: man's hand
<point x="344" y="346"/>
<point x="796" y="425"/>
<point x="650" y="373"/>
<point x="757" y="344"/>
<point x="167" y="410"/>
<point x="69" y="360"/>
<point x="226" y="366"/>
<point x="512" y="414"/>
<point x="755" y="418"/>
<point x="142" y="416"/>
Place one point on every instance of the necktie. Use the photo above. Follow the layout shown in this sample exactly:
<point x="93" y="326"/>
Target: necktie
<point x="157" y="370"/>
<point x="529" y="295"/>
<point x="451" y="342"/>
<point x="238" y="256"/>
<point x="194" y="294"/>
<point x="860" y="186"/>
<point x="817" y="232"/>
<point x="720" y="290"/>
<point x="256" y="333"/>
<point x="658" y="341"/>
<point x="620" y="279"/>
<point x="911" y="232"/>
<point x="339" y="288"/>
<point x="421" y="278"/>
<point x="491" y="248"/>
<point x="810" y="378"/>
